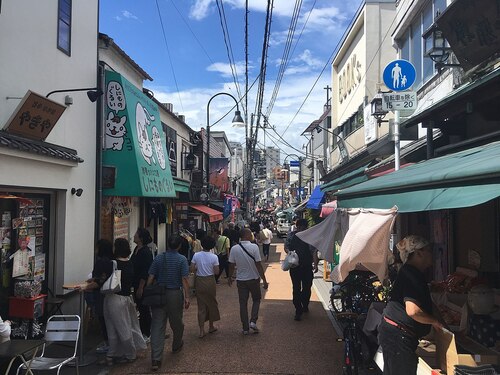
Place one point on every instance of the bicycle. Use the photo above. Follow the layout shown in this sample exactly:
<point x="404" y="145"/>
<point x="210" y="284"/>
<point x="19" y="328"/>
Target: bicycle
<point x="354" y="349"/>
<point x="356" y="293"/>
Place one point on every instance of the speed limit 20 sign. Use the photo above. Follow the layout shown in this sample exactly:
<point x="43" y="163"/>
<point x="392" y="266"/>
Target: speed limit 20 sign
<point x="405" y="100"/>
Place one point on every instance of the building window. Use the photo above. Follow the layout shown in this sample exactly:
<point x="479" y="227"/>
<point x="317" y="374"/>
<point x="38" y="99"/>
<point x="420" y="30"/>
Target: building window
<point x="412" y="46"/>
<point x="64" y="26"/>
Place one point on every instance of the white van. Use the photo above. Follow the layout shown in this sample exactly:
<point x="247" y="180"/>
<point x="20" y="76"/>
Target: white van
<point x="282" y="227"/>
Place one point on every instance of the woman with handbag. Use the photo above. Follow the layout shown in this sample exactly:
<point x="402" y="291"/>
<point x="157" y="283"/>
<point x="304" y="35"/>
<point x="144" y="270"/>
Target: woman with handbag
<point x="142" y="259"/>
<point x="124" y="334"/>
<point x="206" y="265"/>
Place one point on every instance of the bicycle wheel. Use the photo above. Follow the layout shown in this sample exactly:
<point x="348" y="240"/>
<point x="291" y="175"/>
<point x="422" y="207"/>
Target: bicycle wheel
<point x="351" y="351"/>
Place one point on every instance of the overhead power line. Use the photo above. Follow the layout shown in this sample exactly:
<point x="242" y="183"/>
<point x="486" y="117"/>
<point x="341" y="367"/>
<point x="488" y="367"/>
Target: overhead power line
<point x="168" y="54"/>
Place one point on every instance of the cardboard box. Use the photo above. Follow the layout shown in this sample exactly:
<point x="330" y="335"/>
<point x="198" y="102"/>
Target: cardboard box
<point x="448" y="356"/>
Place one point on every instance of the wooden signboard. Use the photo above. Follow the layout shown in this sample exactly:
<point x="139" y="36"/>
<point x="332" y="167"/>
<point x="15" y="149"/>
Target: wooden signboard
<point x="34" y="117"/>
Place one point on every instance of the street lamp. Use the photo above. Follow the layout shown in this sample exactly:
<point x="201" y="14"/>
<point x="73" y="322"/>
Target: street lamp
<point x="237" y="122"/>
<point x="436" y="48"/>
<point x="377" y="109"/>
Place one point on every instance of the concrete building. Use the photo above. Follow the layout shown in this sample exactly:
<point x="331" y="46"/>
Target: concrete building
<point x="48" y="163"/>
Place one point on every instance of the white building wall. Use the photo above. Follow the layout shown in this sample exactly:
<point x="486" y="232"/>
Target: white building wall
<point x="357" y="69"/>
<point x="31" y="61"/>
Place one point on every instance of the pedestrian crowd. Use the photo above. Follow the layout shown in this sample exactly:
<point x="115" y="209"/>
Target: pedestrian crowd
<point x="129" y="322"/>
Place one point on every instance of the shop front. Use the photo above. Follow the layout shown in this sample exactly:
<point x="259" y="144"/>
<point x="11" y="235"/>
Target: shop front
<point x="138" y="187"/>
<point x="454" y="202"/>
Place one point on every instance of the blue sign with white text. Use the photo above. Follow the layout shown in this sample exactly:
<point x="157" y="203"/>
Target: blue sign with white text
<point x="399" y="75"/>
<point x="294" y="163"/>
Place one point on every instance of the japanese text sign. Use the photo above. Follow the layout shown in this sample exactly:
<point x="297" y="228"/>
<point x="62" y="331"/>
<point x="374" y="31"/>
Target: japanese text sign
<point x="34" y="117"/>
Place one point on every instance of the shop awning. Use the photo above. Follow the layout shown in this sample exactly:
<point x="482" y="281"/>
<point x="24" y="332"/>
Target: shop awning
<point x="135" y="158"/>
<point x="181" y="186"/>
<point x="463" y="179"/>
<point x="352" y="178"/>
<point x="317" y="197"/>
<point x="213" y="215"/>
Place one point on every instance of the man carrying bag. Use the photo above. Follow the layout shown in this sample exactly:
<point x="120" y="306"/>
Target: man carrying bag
<point x="169" y="270"/>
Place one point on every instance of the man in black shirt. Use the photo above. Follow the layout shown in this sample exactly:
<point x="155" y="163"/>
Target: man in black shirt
<point x="302" y="275"/>
<point x="408" y="315"/>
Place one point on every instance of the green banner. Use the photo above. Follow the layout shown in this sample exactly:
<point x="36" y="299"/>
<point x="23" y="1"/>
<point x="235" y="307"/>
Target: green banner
<point x="134" y="142"/>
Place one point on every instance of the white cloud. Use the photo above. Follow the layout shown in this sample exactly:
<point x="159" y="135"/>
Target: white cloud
<point x="324" y="20"/>
<point x="200" y="9"/>
<point x="225" y="68"/>
<point x="291" y="96"/>
<point x="125" y="14"/>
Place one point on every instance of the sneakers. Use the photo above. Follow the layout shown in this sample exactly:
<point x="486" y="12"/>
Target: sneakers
<point x="147" y="339"/>
<point x="253" y="327"/>
<point x="155" y="365"/>
<point x="102" y="348"/>
<point x="297" y="317"/>
<point x="245" y="333"/>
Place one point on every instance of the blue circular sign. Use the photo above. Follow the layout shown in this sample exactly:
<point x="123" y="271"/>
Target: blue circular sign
<point x="399" y="75"/>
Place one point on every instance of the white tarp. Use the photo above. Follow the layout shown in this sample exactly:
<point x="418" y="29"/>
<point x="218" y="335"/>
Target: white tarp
<point x="364" y="236"/>
<point x="366" y="243"/>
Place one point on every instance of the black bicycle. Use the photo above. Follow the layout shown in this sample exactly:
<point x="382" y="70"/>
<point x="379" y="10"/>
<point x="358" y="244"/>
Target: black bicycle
<point x="356" y="293"/>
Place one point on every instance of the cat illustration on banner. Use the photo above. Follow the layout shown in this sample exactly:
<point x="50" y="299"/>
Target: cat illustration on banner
<point x="160" y="155"/>
<point x="115" y="131"/>
<point x="142" y="120"/>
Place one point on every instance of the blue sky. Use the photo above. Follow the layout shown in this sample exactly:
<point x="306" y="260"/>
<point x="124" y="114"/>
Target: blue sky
<point x="190" y="63"/>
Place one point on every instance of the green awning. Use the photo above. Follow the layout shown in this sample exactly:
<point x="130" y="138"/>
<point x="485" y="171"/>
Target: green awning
<point x="349" y="179"/>
<point x="134" y="143"/>
<point x="181" y="186"/>
<point x="463" y="179"/>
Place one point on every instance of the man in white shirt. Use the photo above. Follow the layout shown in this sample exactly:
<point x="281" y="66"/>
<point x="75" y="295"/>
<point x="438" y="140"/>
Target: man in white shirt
<point x="267" y="236"/>
<point x="246" y="257"/>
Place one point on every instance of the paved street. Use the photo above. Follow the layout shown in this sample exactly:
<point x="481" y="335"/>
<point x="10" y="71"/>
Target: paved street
<point x="284" y="346"/>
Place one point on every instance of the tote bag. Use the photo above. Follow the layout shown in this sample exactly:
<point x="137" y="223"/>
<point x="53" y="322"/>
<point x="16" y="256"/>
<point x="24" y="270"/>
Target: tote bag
<point x="113" y="283"/>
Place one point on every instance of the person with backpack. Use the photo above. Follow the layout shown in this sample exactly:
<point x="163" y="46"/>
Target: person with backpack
<point x="302" y="275"/>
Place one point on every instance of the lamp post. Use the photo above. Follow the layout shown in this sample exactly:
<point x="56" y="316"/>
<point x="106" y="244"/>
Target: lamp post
<point x="237" y="122"/>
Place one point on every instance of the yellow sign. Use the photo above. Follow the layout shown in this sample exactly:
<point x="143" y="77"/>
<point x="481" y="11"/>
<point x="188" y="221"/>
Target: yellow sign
<point x="34" y="117"/>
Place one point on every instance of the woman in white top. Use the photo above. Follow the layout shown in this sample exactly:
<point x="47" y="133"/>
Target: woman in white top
<point x="206" y="266"/>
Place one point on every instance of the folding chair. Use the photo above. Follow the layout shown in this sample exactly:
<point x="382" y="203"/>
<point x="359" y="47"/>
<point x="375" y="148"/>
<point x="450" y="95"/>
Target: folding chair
<point x="60" y="328"/>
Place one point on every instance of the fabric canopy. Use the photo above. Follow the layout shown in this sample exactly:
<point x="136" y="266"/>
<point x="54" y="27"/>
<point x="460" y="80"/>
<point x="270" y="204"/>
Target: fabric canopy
<point x="316" y="198"/>
<point x="213" y="215"/>
<point x="135" y="152"/>
<point x="363" y="235"/>
<point x="463" y="179"/>
<point x="352" y="178"/>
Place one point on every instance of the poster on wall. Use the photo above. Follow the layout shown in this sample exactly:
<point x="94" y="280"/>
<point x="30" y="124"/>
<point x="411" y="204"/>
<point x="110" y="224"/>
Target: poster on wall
<point x="439" y="239"/>
<point x="219" y="177"/>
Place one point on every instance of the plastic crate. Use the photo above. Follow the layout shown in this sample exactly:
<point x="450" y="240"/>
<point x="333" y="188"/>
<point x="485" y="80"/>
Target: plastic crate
<point x="27" y="308"/>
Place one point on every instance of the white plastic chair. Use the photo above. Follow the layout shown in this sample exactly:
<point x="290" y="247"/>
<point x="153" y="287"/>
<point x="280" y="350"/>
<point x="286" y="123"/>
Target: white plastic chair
<point x="60" y="328"/>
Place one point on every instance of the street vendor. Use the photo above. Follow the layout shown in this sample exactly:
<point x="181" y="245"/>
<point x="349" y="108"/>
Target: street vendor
<point x="408" y="315"/>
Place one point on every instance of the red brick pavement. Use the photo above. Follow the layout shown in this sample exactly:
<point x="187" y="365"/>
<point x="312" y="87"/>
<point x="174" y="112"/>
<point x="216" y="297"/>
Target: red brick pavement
<point x="283" y="346"/>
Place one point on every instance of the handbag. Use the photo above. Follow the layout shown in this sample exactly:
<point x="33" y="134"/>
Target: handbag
<point x="291" y="261"/>
<point x="155" y="294"/>
<point x="114" y="282"/>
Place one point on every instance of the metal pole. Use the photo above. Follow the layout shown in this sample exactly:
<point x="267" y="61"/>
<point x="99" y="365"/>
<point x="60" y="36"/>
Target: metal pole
<point x="396" y="140"/>
<point x="300" y="179"/>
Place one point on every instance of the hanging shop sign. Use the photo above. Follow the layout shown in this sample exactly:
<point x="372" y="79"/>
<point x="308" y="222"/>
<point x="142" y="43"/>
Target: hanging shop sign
<point x="471" y="30"/>
<point x="34" y="117"/>
<point x="135" y="142"/>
